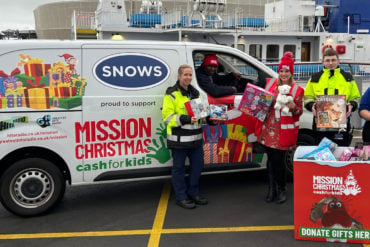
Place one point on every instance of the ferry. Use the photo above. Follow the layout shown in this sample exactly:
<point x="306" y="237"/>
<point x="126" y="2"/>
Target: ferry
<point x="305" y="28"/>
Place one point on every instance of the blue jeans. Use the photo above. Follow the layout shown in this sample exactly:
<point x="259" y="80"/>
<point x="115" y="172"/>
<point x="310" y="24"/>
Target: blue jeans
<point x="190" y="186"/>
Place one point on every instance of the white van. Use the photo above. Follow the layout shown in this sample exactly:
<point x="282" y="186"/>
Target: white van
<point x="90" y="111"/>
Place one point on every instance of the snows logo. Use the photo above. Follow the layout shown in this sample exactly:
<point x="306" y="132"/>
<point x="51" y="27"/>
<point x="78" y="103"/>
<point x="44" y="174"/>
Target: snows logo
<point x="131" y="71"/>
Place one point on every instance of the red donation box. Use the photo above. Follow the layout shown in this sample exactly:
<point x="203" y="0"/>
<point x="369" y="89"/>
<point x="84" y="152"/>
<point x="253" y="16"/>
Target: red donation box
<point x="331" y="199"/>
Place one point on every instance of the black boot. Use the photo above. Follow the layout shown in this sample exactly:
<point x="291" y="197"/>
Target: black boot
<point x="271" y="194"/>
<point x="281" y="195"/>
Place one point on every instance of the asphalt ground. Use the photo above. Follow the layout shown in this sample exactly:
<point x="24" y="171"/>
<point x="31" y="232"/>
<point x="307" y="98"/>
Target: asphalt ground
<point x="144" y="213"/>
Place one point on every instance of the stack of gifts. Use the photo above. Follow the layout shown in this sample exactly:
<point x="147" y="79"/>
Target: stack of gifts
<point x="42" y="86"/>
<point x="226" y="144"/>
<point x="327" y="150"/>
<point x="256" y="102"/>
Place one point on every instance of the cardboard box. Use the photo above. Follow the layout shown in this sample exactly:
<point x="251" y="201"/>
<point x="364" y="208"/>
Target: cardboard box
<point x="331" y="199"/>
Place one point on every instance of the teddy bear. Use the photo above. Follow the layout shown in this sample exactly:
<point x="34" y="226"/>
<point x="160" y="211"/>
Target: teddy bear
<point x="282" y="100"/>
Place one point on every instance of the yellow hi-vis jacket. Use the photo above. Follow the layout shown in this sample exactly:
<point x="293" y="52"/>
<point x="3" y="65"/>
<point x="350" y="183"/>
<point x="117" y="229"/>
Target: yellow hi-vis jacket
<point x="181" y="133"/>
<point x="336" y="82"/>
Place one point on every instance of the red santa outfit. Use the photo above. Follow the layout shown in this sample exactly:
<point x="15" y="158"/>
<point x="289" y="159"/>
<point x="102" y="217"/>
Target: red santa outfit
<point x="279" y="133"/>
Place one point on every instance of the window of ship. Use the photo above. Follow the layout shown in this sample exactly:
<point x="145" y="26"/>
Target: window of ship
<point x="255" y="51"/>
<point x="229" y="64"/>
<point x="272" y="53"/>
<point x="290" y="48"/>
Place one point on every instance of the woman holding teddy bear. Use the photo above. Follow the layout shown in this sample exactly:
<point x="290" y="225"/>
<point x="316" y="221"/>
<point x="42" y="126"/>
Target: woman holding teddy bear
<point x="279" y="132"/>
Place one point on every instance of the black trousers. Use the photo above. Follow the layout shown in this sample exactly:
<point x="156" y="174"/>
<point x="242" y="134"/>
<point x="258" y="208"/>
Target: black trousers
<point x="366" y="133"/>
<point x="276" y="168"/>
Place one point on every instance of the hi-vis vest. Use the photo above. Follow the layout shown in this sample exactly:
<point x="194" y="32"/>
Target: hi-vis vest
<point x="179" y="135"/>
<point x="289" y="123"/>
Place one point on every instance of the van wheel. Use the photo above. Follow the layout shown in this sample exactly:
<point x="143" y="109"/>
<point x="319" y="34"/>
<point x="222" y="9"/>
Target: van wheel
<point x="302" y="140"/>
<point x="31" y="186"/>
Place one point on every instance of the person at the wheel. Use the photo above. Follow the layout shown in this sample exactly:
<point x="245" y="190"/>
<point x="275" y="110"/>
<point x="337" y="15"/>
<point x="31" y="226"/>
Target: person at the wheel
<point x="214" y="84"/>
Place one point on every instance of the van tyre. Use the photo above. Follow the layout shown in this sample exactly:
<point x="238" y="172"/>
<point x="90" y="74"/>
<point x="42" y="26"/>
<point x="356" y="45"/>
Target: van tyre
<point x="302" y="140"/>
<point x="31" y="186"/>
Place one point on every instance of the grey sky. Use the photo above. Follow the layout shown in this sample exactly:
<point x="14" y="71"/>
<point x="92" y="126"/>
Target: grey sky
<point x="18" y="14"/>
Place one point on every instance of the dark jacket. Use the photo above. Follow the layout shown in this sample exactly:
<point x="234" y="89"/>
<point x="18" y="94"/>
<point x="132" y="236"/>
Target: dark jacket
<point x="213" y="84"/>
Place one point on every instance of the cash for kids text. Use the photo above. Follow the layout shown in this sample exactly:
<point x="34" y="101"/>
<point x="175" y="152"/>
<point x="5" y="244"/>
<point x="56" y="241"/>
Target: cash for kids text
<point x="112" y="138"/>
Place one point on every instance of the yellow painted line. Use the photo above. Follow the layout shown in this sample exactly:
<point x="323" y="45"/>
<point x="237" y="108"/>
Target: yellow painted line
<point x="74" y="234"/>
<point x="146" y="232"/>
<point x="228" y="229"/>
<point x="157" y="228"/>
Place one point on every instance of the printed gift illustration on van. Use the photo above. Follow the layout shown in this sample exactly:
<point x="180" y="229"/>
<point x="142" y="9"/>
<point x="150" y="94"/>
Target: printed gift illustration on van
<point x="42" y="86"/>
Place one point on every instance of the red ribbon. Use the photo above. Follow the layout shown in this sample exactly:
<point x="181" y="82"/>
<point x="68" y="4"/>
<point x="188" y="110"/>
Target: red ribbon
<point x="37" y="82"/>
<point x="14" y="72"/>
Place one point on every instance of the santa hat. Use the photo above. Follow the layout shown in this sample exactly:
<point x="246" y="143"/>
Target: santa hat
<point x="210" y="60"/>
<point x="66" y="56"/>
<point x="287" y="62"/>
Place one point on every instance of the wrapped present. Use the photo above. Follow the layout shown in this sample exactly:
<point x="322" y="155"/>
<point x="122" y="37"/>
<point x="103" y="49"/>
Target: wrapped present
<point x="80" y="84"/>
<point x="8" y="81"/>
<point x="33" y="66"/>
<point x="55" y="79"/>
<point x="210" y="153"/>
<point x="36" y="69"/>
<point x="2" y="87"/>
<point x="233" y="153"/>
<point x="223" y="150"/>
<point x="3" y="103"/>
<point x="68" y="76"/>
<point x="71" y="102"/>
<point x="14" y="98"/>
<point x="30" y="81"/>
<point x="10" y="99"/>
<point x="237" y="132"/>
<point x="212" y="133"/>
<point x="37" y="98"/>
<point x="242" y="153"/>
<point x="64" y="91"/>
<point x="54" y="101"/>
<point x="59" y="67"/>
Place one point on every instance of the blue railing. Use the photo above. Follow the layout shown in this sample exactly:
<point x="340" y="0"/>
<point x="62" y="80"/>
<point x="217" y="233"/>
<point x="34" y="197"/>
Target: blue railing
<point x="303" y="71"/>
